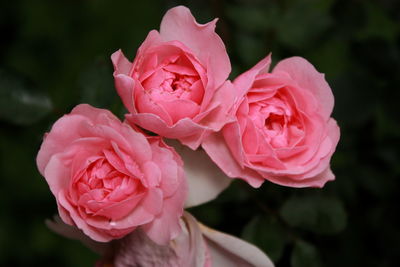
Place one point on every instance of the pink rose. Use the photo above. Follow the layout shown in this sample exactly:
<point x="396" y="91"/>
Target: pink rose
<point x="108" y="179"/>
<point x="283" y="131"/>
<point x="176" y="86"/>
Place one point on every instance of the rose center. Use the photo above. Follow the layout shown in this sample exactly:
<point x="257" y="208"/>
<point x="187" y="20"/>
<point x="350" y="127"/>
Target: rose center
<point x="101" y="185"/>
<point x="181" y="82"/>
<point x="275" y="122"/>
<point x="177" y="84"/>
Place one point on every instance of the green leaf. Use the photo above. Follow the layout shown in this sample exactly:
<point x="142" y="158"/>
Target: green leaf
<point x="300" y="212"/>
<point x="267" y="234"/>
<point x="19" y="103"/>
<point x="305" y="255"/>
<point x="332" y="217"/>
<point x="319" y="214"/>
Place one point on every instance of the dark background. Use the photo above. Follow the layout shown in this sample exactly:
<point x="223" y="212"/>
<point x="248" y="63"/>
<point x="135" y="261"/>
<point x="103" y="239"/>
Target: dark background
<point x="56" y="54"/>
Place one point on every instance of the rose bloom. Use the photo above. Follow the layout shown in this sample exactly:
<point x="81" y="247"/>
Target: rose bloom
<point x="108" y="179"/>
<point x="176" y="86"/>
<point x="283" y="130"/>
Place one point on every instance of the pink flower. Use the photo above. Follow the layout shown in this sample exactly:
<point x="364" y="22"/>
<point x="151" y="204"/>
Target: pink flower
<point x="108" y="179"/>
<point x="196" y="246"/>
<point x="176" y="86"/>
<point x="283" y="131"/>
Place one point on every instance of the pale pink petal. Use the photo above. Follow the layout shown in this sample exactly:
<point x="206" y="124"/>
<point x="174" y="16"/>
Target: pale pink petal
<point x="190" y="244"/>
<point x="227" y="250"/>
<point x="308" y="78"/>
<point x="179" y="24"/>
<point x="205" y="180"/>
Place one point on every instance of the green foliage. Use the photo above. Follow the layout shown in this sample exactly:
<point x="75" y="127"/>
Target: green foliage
<point x="267" y="234"/>
<point x="319" y="214"/>
<point x="305" y="255"/>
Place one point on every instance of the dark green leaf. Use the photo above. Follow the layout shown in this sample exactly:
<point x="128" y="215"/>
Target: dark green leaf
<point x="300" y="212"/>
<point x="305" y="255"/>
<point x="267" y="234"/>
<point x="332" y="217"/>
<point x="318" y="214"/>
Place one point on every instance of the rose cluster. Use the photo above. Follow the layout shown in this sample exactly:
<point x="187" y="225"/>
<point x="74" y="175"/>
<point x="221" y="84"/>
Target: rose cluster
<point x="112" y="180"/>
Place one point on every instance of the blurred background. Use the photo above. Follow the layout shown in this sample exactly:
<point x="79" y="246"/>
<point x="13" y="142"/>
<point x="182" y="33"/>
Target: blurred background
<point x="56" y="54"/>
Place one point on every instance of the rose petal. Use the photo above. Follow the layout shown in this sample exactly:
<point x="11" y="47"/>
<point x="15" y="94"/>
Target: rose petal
<point x="183" y="128"/>
<point x="120" y="209"/>
<point x="205" y="179"/>
<point x="57" y="175"/>
<point x="165" y="225"/>
<point x="218" y="112"/>
<point x="244" y="81"/>
<point x="180" y="109"/>
<point x="227" y="250"/>
<point x="217" y="150"/>
<point x="123" y="82"/>
<point x="179" y="24"/>
<point x="308" y="78"/>
<point x="57" y="139"/>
